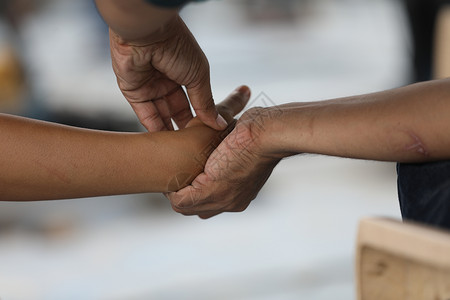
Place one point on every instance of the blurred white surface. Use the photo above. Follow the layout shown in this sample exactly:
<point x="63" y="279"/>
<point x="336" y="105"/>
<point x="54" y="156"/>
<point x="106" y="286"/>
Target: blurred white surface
<point x="296" y="240"/>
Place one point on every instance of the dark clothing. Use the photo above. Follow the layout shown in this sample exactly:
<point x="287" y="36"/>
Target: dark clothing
<point x="170" y="3"/>
<point x="422" y="15"/>
<point x="424" y="192"/>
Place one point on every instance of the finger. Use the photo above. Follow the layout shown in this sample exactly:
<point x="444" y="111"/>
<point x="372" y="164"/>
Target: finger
<point x="202" y="213"/>
<point x="208" y="215"/>
<point x="185" y="199"/>
<point x="202" y="101"/>
<point x="179" y="108"/>
<point x="164" y="112"/>
<point x="148" y="115"/>
<point x="194" y="198"/>
<point x="235" y="102"/>
<point x="175" y="198"/>
<point x="208" y="210"/>
<point x="212" y="210"/>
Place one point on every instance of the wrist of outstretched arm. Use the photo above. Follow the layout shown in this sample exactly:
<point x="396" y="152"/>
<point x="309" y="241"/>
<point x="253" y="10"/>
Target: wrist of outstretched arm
<point x="295" y="128"/>
<point x="323" y="127"/>
<point x="270" y="132"/>
<point x="181" y="158"/>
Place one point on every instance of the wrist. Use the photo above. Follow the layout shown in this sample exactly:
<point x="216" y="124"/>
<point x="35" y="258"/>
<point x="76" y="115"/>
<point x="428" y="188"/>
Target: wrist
<point x="277" y="140"/>
<point x="264" y="132"/>
<point x="157" y="35"/>
<point x="291" y="128"/>
<point x="135" y="20"/>
<point x="168" y="3"/>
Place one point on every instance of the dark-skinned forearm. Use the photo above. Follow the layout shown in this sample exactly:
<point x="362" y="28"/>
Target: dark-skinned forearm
<point x="135" y="20"/>
<point x="408" y="124"/>
<point x="44" y="161"/>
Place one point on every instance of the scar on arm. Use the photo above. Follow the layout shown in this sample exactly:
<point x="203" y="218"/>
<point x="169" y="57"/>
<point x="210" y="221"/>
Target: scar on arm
<point x="417" y="145"/>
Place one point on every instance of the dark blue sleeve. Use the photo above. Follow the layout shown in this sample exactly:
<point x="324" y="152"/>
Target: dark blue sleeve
<point x="168" y="3"/>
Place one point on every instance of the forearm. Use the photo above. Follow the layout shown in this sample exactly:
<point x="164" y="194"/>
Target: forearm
<point x="44" y="161"/>
<point x="409" y="124"/>
<point x="134" y="20"/>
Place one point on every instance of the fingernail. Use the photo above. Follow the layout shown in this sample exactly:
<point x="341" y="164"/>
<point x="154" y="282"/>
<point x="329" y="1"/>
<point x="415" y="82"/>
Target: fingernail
<point x="244" y="90"/>
<point x="221" y="122"/>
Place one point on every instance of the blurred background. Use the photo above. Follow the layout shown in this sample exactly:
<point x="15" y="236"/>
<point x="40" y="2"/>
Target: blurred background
<point x="296" y="240"/>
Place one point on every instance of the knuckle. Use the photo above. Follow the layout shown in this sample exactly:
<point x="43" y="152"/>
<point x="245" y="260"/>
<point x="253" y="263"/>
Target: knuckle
<point x="205" y="106"/>
<point x="153" y="124"/>
<point x="182" y="115"/>
<point x="200" y="75"/>
<point x="133" y="96"/>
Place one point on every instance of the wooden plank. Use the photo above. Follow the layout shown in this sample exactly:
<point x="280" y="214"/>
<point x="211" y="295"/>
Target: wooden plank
<point x="398" y="261"/>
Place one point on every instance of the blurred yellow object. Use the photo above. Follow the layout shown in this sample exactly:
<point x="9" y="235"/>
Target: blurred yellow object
<point x="442" y="44"/>
<point x="12" y="79"/>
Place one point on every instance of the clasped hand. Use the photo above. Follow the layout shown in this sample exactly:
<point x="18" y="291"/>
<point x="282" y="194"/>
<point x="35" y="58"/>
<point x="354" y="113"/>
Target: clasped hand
<point x="235" y="171"/>
<point x="150" y="74"/>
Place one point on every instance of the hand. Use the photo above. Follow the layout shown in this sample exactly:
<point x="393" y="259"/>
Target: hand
<point x="199" y="140"/>
<point x="233" y="174"/>
<point x="150" y="74"/>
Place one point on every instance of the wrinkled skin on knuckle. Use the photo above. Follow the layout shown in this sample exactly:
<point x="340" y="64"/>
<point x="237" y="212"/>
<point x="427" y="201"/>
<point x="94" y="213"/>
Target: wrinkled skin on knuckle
<point x="149" y="123"/>
<point x="131" y="64"/>
<point x="204" y="106"/>
<point x="197" y="66"/>
<point x="181" y="58"/>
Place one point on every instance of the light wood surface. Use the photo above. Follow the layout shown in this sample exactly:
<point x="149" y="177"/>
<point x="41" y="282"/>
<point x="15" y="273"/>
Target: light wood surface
<point x="402" y="261"/>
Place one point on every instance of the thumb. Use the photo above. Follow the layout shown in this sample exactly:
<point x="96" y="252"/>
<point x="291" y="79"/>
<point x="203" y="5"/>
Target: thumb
<point x="202" y="101"/>
<point x="235" y="102"/>
<point x="189" y="196"/>
<point x="183" y="199"/>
